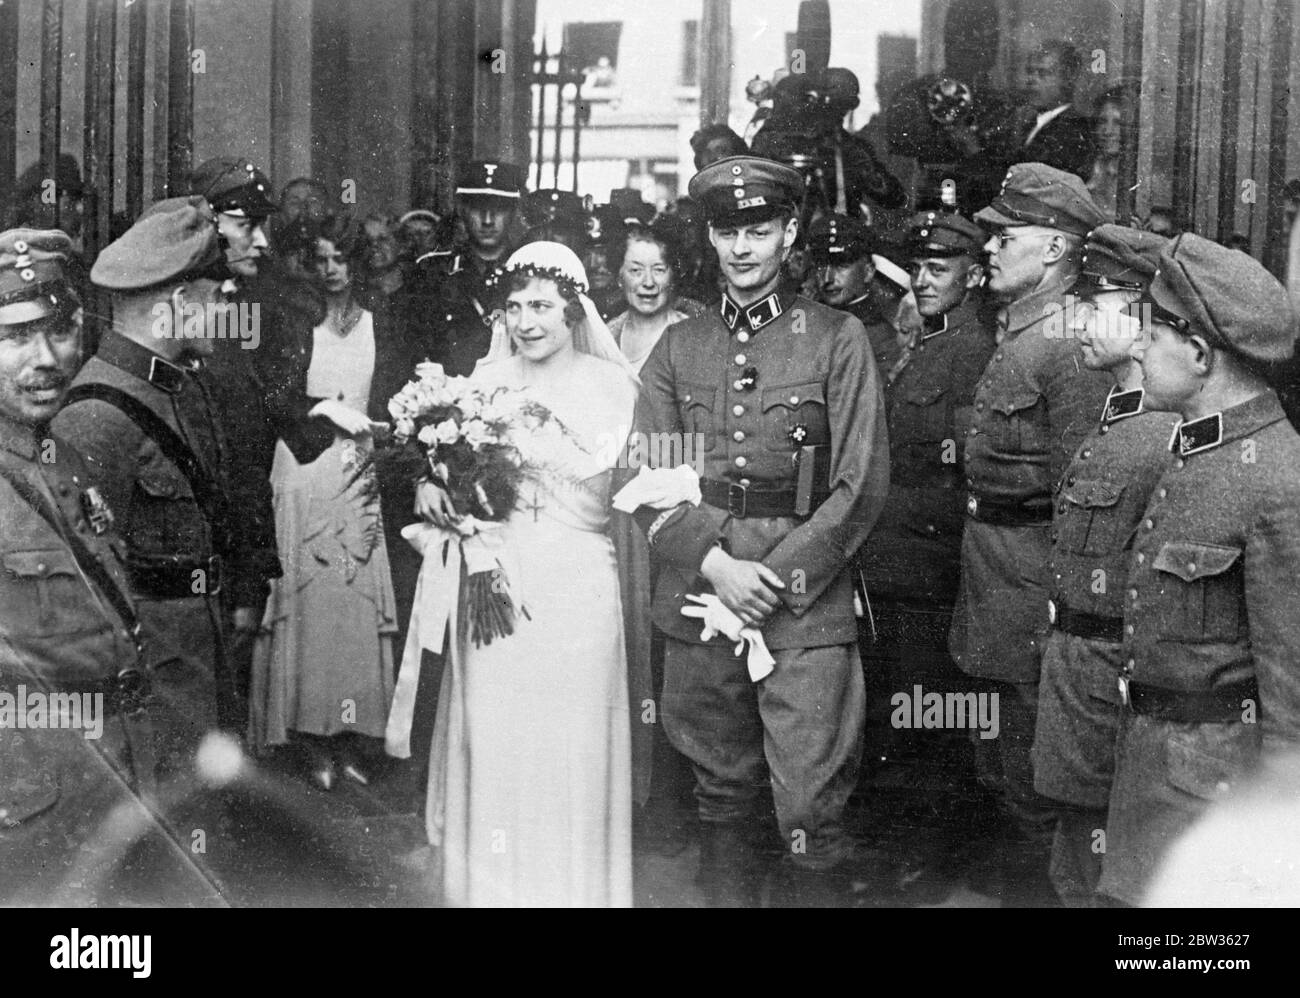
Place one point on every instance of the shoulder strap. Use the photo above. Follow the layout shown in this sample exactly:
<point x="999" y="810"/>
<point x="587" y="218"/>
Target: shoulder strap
<point x="168" y="440"/>
<point x="89" y="564"/>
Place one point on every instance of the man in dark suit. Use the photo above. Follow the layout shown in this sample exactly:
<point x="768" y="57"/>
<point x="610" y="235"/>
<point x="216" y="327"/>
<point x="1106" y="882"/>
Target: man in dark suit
<point x="1060" y="136"/>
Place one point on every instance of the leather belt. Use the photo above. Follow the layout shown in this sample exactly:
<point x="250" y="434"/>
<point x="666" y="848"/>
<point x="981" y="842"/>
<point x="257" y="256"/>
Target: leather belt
<point x="1219" y="706"/>
<point x="1085" y="625"/>
<point x="175" y="579"/>
<point x="1003" y="514"/>
<point x="124" y="693"/>
<point x="746" y="500"/>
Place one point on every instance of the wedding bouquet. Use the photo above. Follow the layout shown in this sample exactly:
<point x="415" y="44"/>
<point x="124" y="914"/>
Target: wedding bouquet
<point x="466" y="438"/>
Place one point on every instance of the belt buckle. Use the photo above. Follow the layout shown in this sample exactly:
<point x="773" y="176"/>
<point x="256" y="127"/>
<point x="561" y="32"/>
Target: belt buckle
<point x="130" y="688"/>
<point x="972" y="505"/>
<point x="1123" y="691"/>
<point x="215" y="566"/>
<point x="734" y="507"/>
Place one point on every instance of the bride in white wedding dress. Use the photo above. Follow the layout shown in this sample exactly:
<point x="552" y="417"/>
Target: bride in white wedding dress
<point x="530" y="773"/>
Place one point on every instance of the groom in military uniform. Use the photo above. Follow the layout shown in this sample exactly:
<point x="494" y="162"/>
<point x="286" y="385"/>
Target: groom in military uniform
<point x="783" y="400"/>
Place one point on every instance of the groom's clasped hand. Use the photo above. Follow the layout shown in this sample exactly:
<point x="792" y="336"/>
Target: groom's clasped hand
<point x="745" y="587"/>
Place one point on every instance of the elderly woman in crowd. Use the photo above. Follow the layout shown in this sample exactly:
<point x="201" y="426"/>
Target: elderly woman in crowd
<point x="647" y="273"/>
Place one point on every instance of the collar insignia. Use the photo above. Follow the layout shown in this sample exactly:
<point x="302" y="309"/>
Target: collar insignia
<point x="1198" y="435"/>
<point x="165" y="376"/>
<point x="756" y="316"/>
<point x="1122" y="405"/>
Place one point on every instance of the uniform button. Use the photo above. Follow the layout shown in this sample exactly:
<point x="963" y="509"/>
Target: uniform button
<point x="1132" y="594"/>
<point x="741" y="461"/>
<point x="40" y="567"/>
<point x="744" y="481"/>
<point x="999" y="356"/>
<point x="1058" y="576"/>
<point x="1150" y="524"/>
<point x="1141" y="558"/>
<point x="1163" y="493"/>
<point x="794" y="399"/>
<point x="737" y="410"/>
<point x="743" y="336"/>
<point x="740" y="358"/>
<point x="979" y="406"/>
<point x="1070" y="480"/>
<point x="737" y="385"/>
<point x="929" y="528"/>
<point x="1128" y="628"/>
<point x="1191" y="566"/>
<point x="1132" y="662"/>
<point x="1087" y="453"/>
<point x="738" y="436"/>
<point x="1179" y="463"/>
<point x="1104" y="429"/>
<point x="974" y="431"/>
<point x="448" y="317"/>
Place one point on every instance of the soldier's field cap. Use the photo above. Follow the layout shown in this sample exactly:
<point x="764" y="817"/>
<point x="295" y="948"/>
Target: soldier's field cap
<point x="745" y="190"/>
<point x="1227" y="297"/>
<point x="1038" y="194"/>
<point x="173" y="241"/>
<point x="33" y="281"/>
<point x="487" y="178"/>
<point x="1117" y="257"/>
<point x="839" y="239"/>
<point x="233" y="187"/>
<point x="943" y="233"/>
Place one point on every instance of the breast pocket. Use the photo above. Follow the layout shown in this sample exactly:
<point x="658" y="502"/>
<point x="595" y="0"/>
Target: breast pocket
<point x="43" y="594"/>
<point x="1090" y="523"/>
<point x="696" y="408"/>
<point x="921" y="415"/>
<point x="165" y="517"/>
<point x="1205" y="591"/>
<point x="1018" y="421"/>
<point x="795" y="416"/>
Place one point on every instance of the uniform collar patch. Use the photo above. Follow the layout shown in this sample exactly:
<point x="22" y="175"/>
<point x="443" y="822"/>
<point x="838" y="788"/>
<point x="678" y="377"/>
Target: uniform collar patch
<point x="755" y="316"/>
<point x="1122" y="404"/>
<point x="1198" y="435"/>
<point x="146" y="365"/>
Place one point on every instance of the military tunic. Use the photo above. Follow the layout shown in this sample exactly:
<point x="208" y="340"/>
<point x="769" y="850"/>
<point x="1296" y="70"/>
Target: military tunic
<point x="59" y="632"/>
<point x="914" y="552"/>
<point x="750" y="386"/>
<point x="1210" y="610"/>
<point x="1100" y="502"/>
<point x="1033" y="406"/>
<point x="885" y="347"/>
<point x="174" y="553"/>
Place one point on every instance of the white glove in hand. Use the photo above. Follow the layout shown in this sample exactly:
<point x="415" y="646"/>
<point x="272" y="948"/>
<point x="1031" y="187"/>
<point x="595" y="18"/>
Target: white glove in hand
<point x="719" y="620"/>
<point x="347" y="419"/>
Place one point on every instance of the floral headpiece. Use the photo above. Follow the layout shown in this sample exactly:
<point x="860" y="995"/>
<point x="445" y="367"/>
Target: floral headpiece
<point x="554" y="261"/>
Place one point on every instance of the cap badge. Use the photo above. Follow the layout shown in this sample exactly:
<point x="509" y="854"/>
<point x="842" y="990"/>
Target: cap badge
<point x="736" y="169"/>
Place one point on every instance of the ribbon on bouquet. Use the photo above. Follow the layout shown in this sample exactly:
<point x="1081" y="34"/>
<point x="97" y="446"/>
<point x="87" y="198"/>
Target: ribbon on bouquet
<point x="480" y="547"/>
<point x="718" y="619"/>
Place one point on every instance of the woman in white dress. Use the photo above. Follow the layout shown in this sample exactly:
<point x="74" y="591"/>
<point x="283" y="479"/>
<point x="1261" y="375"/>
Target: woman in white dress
<point x="322" y="674"/>
<point x="530" y="772"/>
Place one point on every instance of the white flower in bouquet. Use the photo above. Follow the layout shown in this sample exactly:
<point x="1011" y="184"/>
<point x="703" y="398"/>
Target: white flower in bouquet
<point x="478" y="433"/>
<point x="403" y="427"/>
<point x="446" y="432"/>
